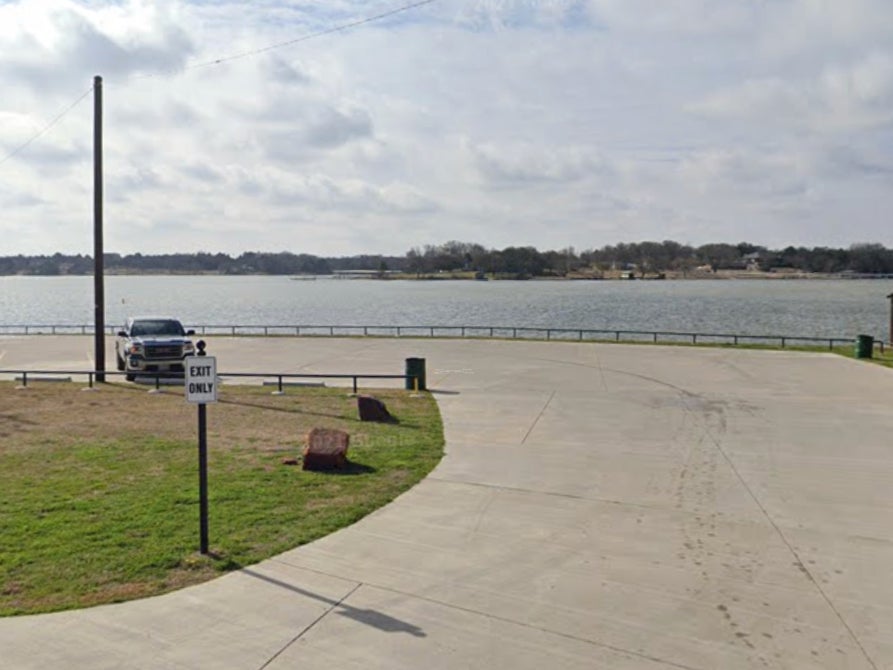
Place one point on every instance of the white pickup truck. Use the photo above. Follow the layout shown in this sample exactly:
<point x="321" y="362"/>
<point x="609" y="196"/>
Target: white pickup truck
<point x="150" y="345"/>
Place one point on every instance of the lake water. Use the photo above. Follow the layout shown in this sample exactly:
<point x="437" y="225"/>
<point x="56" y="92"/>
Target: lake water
<point x="818" y="308"/>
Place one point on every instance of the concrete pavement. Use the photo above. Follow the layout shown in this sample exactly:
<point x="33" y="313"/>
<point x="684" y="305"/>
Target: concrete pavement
<point x="599" y="506"/>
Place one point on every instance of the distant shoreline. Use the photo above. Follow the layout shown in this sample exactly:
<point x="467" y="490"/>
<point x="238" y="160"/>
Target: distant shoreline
<point x="719" y="275"/>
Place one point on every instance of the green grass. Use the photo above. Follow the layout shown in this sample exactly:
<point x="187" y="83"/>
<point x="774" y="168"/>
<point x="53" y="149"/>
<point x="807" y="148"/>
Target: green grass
<point x="99" y="491"/>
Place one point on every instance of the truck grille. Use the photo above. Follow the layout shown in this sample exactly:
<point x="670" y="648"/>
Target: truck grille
<point x="164" y="351"/>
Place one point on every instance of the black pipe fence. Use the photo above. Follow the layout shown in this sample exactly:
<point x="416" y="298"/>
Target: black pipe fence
<point x="159" y="379"/>
<point x="501" y="332"/>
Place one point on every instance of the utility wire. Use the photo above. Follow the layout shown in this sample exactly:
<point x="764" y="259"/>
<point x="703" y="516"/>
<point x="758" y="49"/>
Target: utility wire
<point x="309" y="36"/>
<point x="225" y="59"/>
<point x="46" y="128"/>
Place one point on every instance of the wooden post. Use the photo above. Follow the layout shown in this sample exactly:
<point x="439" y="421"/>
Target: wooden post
<point x="98" y="253"/>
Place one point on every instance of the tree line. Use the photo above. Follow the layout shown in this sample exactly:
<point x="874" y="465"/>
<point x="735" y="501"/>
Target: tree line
<point x="642" y="258"/>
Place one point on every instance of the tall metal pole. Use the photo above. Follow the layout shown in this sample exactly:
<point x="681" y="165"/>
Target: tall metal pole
<point x="203" y="478"/>
<point x="98" y="253"/>
<point x="203" y="466"/>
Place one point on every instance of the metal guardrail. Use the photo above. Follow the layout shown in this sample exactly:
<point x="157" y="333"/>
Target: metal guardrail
<point x="504" y="332"/>
<point x="158" y="379"/>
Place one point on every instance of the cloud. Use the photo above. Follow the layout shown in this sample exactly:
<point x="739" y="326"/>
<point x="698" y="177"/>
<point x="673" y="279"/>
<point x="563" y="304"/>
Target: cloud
<point x="202" y="172"/>
<point x="771" y="99"/>
<point x="526" y="165"/>
<point x="57" y="42"/>
<point x="861" y="93"/>
<point x="553" y="123"/>
<point x="840" y="98"/>
<point x="317" y="192"/>
<point x="679" y="18"/>
<point x="331" y="127"/>
<point x="323" y="129"/>
<point x="285" y="72"/>
<point x="743" y="174"/>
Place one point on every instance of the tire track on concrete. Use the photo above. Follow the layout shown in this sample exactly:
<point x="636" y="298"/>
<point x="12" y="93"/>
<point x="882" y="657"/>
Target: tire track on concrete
<point x="689" y="396"/>
<point x="798" y="561"/>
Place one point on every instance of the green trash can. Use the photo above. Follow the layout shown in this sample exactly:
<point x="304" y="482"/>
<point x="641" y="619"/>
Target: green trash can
<point x="864" y="346"/>
<point x="415" y="374"/>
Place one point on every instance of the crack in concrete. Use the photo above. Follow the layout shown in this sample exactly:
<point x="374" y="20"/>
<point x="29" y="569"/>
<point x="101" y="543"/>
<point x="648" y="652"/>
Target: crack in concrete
<point x="308" y="627"/>
<point x="539" y="416"/>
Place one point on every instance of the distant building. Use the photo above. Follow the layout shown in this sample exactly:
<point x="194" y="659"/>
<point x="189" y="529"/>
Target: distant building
<point x="751" y="261"/>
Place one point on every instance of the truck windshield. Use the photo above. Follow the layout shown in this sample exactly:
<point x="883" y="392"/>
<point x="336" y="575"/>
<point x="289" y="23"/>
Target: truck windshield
<point x="157" y="327"/>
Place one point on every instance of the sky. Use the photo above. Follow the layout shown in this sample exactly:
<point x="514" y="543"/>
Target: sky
<point x="314" y="127"/>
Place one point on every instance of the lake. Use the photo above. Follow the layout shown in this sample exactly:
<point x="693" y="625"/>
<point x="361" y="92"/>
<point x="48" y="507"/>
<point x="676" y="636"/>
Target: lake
<point x="804" y="308"/>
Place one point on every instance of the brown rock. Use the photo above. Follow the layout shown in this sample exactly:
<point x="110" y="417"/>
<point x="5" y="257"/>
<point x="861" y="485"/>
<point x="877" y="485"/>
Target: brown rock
<point x="373" y="409"/>
<point x="326" y="449"/>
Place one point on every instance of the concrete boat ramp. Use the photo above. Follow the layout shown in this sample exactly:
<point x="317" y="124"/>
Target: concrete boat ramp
<point x="598" y="506"/>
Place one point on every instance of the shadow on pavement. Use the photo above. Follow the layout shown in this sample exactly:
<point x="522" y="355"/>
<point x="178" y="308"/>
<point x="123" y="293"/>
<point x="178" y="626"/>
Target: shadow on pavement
<point x="374" y="618"/>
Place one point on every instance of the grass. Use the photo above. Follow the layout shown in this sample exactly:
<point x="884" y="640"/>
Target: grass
<point x="99" y="490"/>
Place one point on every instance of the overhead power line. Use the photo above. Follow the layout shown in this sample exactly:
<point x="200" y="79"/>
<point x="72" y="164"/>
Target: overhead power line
<point x="49" y="125"/>
<point x="225" y="59"/>
<point x="303" y="38"/>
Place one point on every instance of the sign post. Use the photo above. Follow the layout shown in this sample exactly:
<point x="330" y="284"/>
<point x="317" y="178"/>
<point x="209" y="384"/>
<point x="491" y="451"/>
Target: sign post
<point x="201" y="388"/>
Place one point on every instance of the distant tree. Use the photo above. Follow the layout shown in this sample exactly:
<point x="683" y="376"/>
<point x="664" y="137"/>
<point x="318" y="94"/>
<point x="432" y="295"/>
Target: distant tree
<point x="522" y="261"/>
<point x="870" y="259"/>
<point x="719" y="256"/>
<point x="415" y="261"/>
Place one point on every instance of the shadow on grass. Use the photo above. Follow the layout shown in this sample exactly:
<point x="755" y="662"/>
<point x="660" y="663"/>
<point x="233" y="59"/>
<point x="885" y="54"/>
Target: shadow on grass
<point x="394" y="421"/>
<point x="241" y="403"/>
<point x="223" y="563"/>
<point x="286" y="410"/>
<point x="353" y="469"/>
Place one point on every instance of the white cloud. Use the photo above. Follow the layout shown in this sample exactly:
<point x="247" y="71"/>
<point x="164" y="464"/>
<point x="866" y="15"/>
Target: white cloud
<point x="526" y="164"/>
<point x="774" y="100"/>
<point x="840" y="98"/>
<point x="581" y="122"/>
<point x="860" y="94"/>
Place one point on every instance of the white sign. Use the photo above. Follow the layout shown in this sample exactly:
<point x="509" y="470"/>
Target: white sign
<point x="201" y="379"/>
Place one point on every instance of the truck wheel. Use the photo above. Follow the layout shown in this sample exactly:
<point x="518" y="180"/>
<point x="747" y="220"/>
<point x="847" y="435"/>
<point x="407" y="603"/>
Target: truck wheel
<point x="130" y="378"/>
